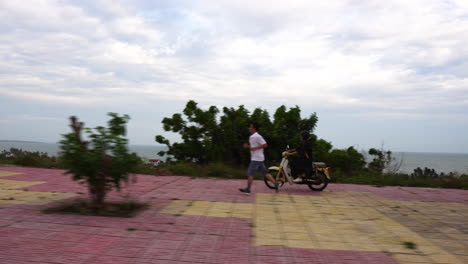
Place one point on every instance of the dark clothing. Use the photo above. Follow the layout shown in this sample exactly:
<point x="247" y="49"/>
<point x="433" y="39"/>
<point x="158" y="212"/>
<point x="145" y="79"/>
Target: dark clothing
<point x="305" y="151"/>
<point x="303" y="164"/>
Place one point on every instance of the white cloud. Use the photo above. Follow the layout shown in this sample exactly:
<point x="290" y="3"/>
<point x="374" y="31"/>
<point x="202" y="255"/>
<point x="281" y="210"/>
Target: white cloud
<point x="403" y="55"/>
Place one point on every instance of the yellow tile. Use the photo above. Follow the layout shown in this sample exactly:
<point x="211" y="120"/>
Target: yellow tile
<point x="328" y="238"/>
<point x="270" y="242"/>
<point x="430" y="250"/>
<point x="8" y="173"/>
<point x="301" y="244"/>
<point x="298" y="236"/>
<point x="268" y="235"/>
<point x="445" y="258"/>
<point x="364" y="247"/>
<point x="270" y="228"/>
<point x="14" y="184"/>
<point x="334" y="246"/>
<point x="411" y="258"/>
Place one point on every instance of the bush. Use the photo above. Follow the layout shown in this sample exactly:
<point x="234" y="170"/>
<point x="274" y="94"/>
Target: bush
<point x="218" y="170"/>
<point x="28" y="158"/>
<point x="103" y="162"/>
<point x="374" y="178"/>
<point x="348" y="161"/>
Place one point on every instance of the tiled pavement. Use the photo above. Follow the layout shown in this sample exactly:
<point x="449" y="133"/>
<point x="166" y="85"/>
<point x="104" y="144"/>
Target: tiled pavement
<point x="209" y="221"/>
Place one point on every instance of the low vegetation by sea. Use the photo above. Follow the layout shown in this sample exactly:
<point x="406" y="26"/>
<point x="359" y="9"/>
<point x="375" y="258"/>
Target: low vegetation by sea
<point x="210" y="148"/>
<point x="420" y="178"/>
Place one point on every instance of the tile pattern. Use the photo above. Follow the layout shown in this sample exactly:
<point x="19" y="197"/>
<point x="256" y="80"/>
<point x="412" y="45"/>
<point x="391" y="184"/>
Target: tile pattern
<point x="334" y="221"/>
<point x="209" y="221"/>
<point x="17" y="192"/>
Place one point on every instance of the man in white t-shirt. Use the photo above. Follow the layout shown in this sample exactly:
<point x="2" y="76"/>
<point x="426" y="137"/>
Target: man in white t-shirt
<point x="256" y="146"/>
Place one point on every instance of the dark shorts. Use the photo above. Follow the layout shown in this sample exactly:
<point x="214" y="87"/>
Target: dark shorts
<point x="255" y="166"/>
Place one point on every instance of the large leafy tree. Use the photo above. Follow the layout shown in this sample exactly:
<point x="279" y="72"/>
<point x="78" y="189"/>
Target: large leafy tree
<point x="103" y="161"/>
<point x="348" y="160"/>
<point x="207" y="137"/>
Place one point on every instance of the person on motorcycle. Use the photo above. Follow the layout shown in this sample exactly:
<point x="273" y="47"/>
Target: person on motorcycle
<point x="303" y="164"/>
<point x="256" y="146"/>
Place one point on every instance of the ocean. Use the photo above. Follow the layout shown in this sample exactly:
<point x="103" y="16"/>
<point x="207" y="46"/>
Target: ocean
<point x="441" y="162"/>
<point x="145" y="151"/>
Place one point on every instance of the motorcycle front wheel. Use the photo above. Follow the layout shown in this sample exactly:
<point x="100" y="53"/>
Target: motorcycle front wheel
<point x="320" y="182"/>
<point x="268" y="183"/>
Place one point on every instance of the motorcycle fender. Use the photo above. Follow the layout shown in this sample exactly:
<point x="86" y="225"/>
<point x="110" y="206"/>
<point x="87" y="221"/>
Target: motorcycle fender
<point x="276" y="168"/>
<point x="327" y="173"/>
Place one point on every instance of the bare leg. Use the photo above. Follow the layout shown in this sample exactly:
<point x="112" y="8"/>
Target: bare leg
<point x="250" y="181"/>
<point x="270" y="178"/>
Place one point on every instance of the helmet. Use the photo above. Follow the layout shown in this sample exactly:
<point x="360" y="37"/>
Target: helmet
<point x="305" y="135"/>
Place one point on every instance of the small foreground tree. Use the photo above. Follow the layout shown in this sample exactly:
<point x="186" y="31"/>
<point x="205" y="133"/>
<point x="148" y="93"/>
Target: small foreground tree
<point x="103" y="162"/>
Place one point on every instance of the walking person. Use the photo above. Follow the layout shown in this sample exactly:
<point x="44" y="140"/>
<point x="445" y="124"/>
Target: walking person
<point x="256" y="146"/>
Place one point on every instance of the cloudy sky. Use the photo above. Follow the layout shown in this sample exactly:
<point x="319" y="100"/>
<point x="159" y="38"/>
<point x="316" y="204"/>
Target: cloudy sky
<point x="374" y="71"/>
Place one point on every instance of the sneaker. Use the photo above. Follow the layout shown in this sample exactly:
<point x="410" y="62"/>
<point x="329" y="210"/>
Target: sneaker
<point x="297" y="180"/>
<point x="245" y="190"/>
<point x="277" y="184"/>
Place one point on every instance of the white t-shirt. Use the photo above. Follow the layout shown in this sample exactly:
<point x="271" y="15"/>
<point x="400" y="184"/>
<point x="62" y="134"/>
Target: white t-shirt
<point x="256" y="140"/>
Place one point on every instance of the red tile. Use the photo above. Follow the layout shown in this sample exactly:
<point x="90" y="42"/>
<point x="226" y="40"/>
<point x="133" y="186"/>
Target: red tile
<point x="112" y="260"/>
<point x="198" y="256"/>
<point x="160" y="253"/>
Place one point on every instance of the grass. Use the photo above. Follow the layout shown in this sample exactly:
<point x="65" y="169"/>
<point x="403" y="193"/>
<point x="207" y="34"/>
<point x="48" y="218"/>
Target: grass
<point x="460" y="182"/>
<point x="211" y="170"/>
<point x="21" y="157"/>
<point x="221" y="170"/>
<point x="110" y="209"/>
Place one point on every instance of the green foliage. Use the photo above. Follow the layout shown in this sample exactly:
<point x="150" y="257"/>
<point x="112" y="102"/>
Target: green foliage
<point x="382" y="159"/>
<point x="343" y="161"/>
<point x="377" y="179"/>
<point x="207" y="137"/>
<point x="321" y="150"/>
<point x="426" y="173"/>
<point x="347" y="160"/>
<point x="217" y="170"/>
<point x="28" y="158"/>
<point x="103" y="162"/>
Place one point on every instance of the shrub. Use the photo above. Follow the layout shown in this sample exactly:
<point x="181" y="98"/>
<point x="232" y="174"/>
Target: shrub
<point x="348" y="160"/>
<point x="103" y="162"/>
<point x="218" y="170"/>
<point x="28" y="158"/>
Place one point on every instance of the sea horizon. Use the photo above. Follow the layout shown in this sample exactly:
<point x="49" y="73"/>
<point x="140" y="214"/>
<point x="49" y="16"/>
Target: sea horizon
<point x="439" y="161"/>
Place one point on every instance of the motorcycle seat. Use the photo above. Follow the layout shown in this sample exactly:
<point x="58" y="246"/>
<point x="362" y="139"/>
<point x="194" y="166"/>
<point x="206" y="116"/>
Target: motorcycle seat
<point x="319" y="164"/>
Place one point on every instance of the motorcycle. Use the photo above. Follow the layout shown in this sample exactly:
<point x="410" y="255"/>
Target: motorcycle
<point x="317" y="180"/>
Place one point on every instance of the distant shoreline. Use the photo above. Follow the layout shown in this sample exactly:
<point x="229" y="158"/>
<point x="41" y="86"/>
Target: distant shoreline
<point x="158" y="145"/>
<point x="21" y="141"/>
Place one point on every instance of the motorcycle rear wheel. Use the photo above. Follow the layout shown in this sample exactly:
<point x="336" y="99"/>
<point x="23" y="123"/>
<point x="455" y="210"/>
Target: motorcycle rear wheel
<point x="321" y="182"/>
<point x="268" y="183"/>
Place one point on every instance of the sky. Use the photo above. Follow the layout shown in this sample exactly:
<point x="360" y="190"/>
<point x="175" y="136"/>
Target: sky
<point x="389" y="72"/>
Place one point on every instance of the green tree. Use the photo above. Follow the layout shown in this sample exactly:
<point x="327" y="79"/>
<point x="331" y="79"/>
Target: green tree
<point x="382" y="159"/>
<point x="233" y="131"/>
<point x="322" y="150"/>
<point x="103" y="162"/>
<point x="199" y="131"/>
<point x="209" y="138"/>
<point x="347" y="160"/>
